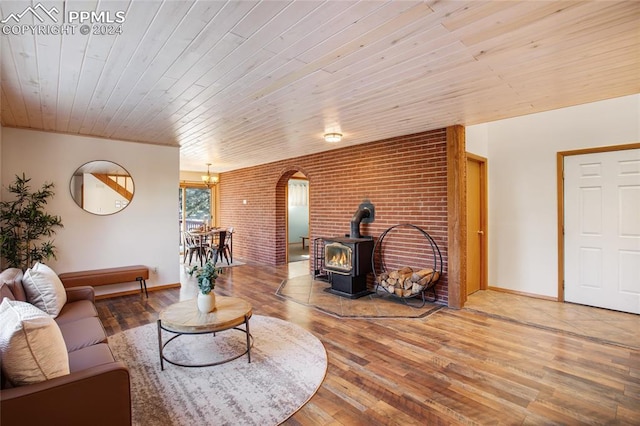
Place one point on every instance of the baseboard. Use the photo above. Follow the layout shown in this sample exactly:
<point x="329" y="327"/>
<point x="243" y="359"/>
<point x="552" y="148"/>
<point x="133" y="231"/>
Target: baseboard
<point x="522" y="293"/>
<point x="131" y="292"/>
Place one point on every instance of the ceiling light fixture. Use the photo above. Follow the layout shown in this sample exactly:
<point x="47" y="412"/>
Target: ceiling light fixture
<point x="208" y="179"/>
<point x="333" y="137"/>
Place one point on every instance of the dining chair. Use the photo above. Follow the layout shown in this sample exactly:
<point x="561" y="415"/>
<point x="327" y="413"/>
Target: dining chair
<point x="192" y="246"/>
<point x="229" y="242"/>
<point x="220" y="249"/>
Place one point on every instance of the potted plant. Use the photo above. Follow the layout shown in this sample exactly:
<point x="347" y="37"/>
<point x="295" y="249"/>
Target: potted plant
<point x="24" y="223"/>
<point x="206" y="277"/>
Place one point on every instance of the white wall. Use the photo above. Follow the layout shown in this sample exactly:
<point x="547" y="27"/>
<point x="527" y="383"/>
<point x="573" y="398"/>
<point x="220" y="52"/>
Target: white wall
<point x="477" y="140"/>
<point x="145" y="232"/>
<point x="523" y="248"/>
<point x="298" y="216"/>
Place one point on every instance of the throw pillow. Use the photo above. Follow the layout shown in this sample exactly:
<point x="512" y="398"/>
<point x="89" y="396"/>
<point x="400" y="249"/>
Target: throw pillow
<point x="44" y="289"/>
<point x="31" y="344"/>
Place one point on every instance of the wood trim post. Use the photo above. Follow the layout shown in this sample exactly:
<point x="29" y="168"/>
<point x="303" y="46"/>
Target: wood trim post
<point x="457" y="215"/>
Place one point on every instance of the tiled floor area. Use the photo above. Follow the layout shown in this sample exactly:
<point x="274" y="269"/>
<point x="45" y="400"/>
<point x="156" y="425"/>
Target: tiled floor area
<point x="303" y="289"/>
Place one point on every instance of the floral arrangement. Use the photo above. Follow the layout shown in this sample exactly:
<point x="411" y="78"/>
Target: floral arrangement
<point x="206" y="276"/>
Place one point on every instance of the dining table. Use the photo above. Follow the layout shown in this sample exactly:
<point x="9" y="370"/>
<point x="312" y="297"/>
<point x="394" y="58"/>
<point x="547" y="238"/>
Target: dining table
<point x="205" y="237"/>
<point x="209" y="237"/>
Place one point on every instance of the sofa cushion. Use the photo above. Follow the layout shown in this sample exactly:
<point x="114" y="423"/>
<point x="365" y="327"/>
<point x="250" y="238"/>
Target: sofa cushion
<point x="76" y="310"/>
<point x="90" y="357"/>
<point x="12" y="277"/>
<point x="31" y="344"/>
<point x="82" y="333"/>
<point x="44" y="289"/>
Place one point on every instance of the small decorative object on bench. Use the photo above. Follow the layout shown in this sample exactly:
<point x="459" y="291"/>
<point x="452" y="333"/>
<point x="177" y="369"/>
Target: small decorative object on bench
<point x="406" y="282"/>
<point x="98" y="277"/>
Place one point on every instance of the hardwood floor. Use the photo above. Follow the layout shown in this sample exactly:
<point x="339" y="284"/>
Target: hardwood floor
<point x="451" y="367"/>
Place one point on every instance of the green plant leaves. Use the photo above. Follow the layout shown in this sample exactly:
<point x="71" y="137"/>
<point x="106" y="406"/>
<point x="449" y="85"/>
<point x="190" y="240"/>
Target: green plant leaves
<point x="24" y="223"/>
<point x="206" y="276"/>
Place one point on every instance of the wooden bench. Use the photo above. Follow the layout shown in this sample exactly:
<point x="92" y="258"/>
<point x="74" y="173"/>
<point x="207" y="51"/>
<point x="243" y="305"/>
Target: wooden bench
<point x="98" y="277"/>
<point x="303" y="240"/>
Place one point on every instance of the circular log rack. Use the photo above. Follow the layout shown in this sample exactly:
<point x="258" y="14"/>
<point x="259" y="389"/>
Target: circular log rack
<point x="379" y="267"/>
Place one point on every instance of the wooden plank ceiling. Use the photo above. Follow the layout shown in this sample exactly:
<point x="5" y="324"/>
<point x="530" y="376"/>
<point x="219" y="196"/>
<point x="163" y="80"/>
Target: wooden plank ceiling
<point x="241" y="83"/>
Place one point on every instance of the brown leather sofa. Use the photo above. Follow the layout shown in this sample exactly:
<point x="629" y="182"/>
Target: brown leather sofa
<point x="96" y="391"/>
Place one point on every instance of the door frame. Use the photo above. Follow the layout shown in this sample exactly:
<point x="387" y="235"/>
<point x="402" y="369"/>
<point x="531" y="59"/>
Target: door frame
<point x="213" y="203"/>
<point x="560" y="188"/>
<point x="484" y="222"/>
<point x="303" y="177"/>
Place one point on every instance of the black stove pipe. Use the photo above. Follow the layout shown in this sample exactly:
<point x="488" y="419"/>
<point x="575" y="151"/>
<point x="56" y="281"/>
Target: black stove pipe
<point x="361" y="213"/>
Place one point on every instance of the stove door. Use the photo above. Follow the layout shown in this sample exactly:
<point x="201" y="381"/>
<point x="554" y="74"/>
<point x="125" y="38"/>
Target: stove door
<point x="338" y="258"/>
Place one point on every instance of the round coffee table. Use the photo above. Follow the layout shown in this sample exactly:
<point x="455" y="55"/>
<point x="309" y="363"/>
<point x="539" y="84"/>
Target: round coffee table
<point x="184" y="318"/>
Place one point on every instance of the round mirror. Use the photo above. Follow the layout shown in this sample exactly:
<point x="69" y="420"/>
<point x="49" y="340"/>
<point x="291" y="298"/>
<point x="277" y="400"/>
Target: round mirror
<point x="101" y="187"/>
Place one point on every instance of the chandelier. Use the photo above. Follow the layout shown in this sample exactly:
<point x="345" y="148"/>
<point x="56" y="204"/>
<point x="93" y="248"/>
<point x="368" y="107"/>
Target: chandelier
<point x="208" y="179"/>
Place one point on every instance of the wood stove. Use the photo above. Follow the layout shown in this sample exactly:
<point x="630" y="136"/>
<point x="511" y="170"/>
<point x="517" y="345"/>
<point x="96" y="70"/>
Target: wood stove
<point x="348" y="259"/>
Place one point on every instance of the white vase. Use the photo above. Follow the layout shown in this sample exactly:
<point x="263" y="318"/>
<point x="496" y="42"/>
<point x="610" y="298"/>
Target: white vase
<point x="206" y="302"/>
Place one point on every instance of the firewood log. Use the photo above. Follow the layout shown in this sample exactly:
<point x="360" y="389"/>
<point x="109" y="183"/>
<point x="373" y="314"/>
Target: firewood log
<point x="429" y="279"/>
<point x="404" y="277"/>
<point x="418" y="275"/>
<point x="405" y="273"/>
<point x="417" y="288"/>
<point x="424" y="272"/>
<point x="425" y="280"/>
<point x="399" y="291"/>
<point x="407" y="284"/>
<point x="406" y="293"/>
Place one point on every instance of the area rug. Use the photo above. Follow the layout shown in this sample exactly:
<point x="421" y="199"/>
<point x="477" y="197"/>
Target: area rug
<point x="288" y="365"/>
<point x="223" y="264"/>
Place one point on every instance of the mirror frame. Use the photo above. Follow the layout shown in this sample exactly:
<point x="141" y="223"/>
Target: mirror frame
<point x="105" y="168"/>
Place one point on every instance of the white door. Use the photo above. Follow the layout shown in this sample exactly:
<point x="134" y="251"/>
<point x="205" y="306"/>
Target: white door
<point x="602" y="229"/>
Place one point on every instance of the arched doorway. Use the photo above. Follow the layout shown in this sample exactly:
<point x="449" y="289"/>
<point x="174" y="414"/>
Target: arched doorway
<point x="292" y="216"/>
<point x="298" y="218"/>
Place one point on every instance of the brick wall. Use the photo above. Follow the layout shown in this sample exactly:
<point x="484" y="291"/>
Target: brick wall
<point x="404" y="177"/>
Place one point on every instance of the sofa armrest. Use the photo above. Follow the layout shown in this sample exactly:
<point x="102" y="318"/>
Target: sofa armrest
<point x="98" y="395"/>
<point x="80" y="293"/>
